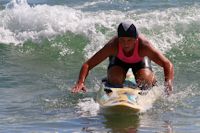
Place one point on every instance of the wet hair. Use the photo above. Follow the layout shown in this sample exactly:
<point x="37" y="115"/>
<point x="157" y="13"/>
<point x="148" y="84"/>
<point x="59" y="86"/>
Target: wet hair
<point x="126" y="29"/>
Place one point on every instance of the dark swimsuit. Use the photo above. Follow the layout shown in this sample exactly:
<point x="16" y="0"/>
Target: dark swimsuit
<point x="145" y="63"/>
<point x="135" y="62"/>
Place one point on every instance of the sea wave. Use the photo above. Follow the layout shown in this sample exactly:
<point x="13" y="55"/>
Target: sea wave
<point x="21" y="22"/>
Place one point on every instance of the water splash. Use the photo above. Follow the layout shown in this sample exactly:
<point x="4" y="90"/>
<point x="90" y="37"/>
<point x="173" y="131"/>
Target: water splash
<point x="87" y="107"/>
<point x="175" y="101"/>
<point x="16" y="3"/>
<point x="183" y="94"/>
<point x="21" y="22"/>
<point x="147" y="101"/>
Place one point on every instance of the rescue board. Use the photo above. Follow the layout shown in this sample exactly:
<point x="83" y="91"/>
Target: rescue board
<point x="120" y="98"/>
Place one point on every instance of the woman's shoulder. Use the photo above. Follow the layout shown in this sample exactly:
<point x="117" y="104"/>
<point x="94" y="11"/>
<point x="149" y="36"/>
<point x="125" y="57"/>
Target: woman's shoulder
<point x="112" y="45"/>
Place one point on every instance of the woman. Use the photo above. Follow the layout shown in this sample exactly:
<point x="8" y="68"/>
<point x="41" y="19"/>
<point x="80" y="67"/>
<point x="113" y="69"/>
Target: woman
<point x="128" y="49"/>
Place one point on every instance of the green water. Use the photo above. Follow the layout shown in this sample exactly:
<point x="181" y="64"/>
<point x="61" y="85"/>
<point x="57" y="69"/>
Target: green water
<point x="43" y="46"/>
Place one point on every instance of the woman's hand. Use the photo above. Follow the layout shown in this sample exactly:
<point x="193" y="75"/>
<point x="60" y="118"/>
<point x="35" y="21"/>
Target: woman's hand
<point x="78" y="87"/>
<point x="168" y="87"/>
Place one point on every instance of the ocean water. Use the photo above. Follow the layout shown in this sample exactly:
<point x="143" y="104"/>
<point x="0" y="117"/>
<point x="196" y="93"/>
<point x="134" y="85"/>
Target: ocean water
<point x="43" y="44"/>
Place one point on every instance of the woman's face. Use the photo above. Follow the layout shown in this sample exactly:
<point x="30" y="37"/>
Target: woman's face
<point x="127" y="43"/>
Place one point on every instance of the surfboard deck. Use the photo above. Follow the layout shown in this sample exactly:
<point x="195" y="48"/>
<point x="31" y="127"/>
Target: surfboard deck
<point x="122" y="98"/>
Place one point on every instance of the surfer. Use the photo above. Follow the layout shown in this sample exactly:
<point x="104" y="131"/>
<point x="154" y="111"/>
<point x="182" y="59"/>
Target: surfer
<point x="128" y="49"/>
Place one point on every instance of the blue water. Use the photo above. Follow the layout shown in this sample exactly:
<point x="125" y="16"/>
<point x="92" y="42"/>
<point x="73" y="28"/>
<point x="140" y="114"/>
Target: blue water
<point x="43" y="44"/>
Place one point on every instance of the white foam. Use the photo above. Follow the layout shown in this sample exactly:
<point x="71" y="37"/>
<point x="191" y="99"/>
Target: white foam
<point x="21" y="22"/>
<point x="162" y="25"/>
<point x="15" y="3"/>
<point x="93" y="3"/>
<point x="87" y="107"/>
<point x="147" y="101"/>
